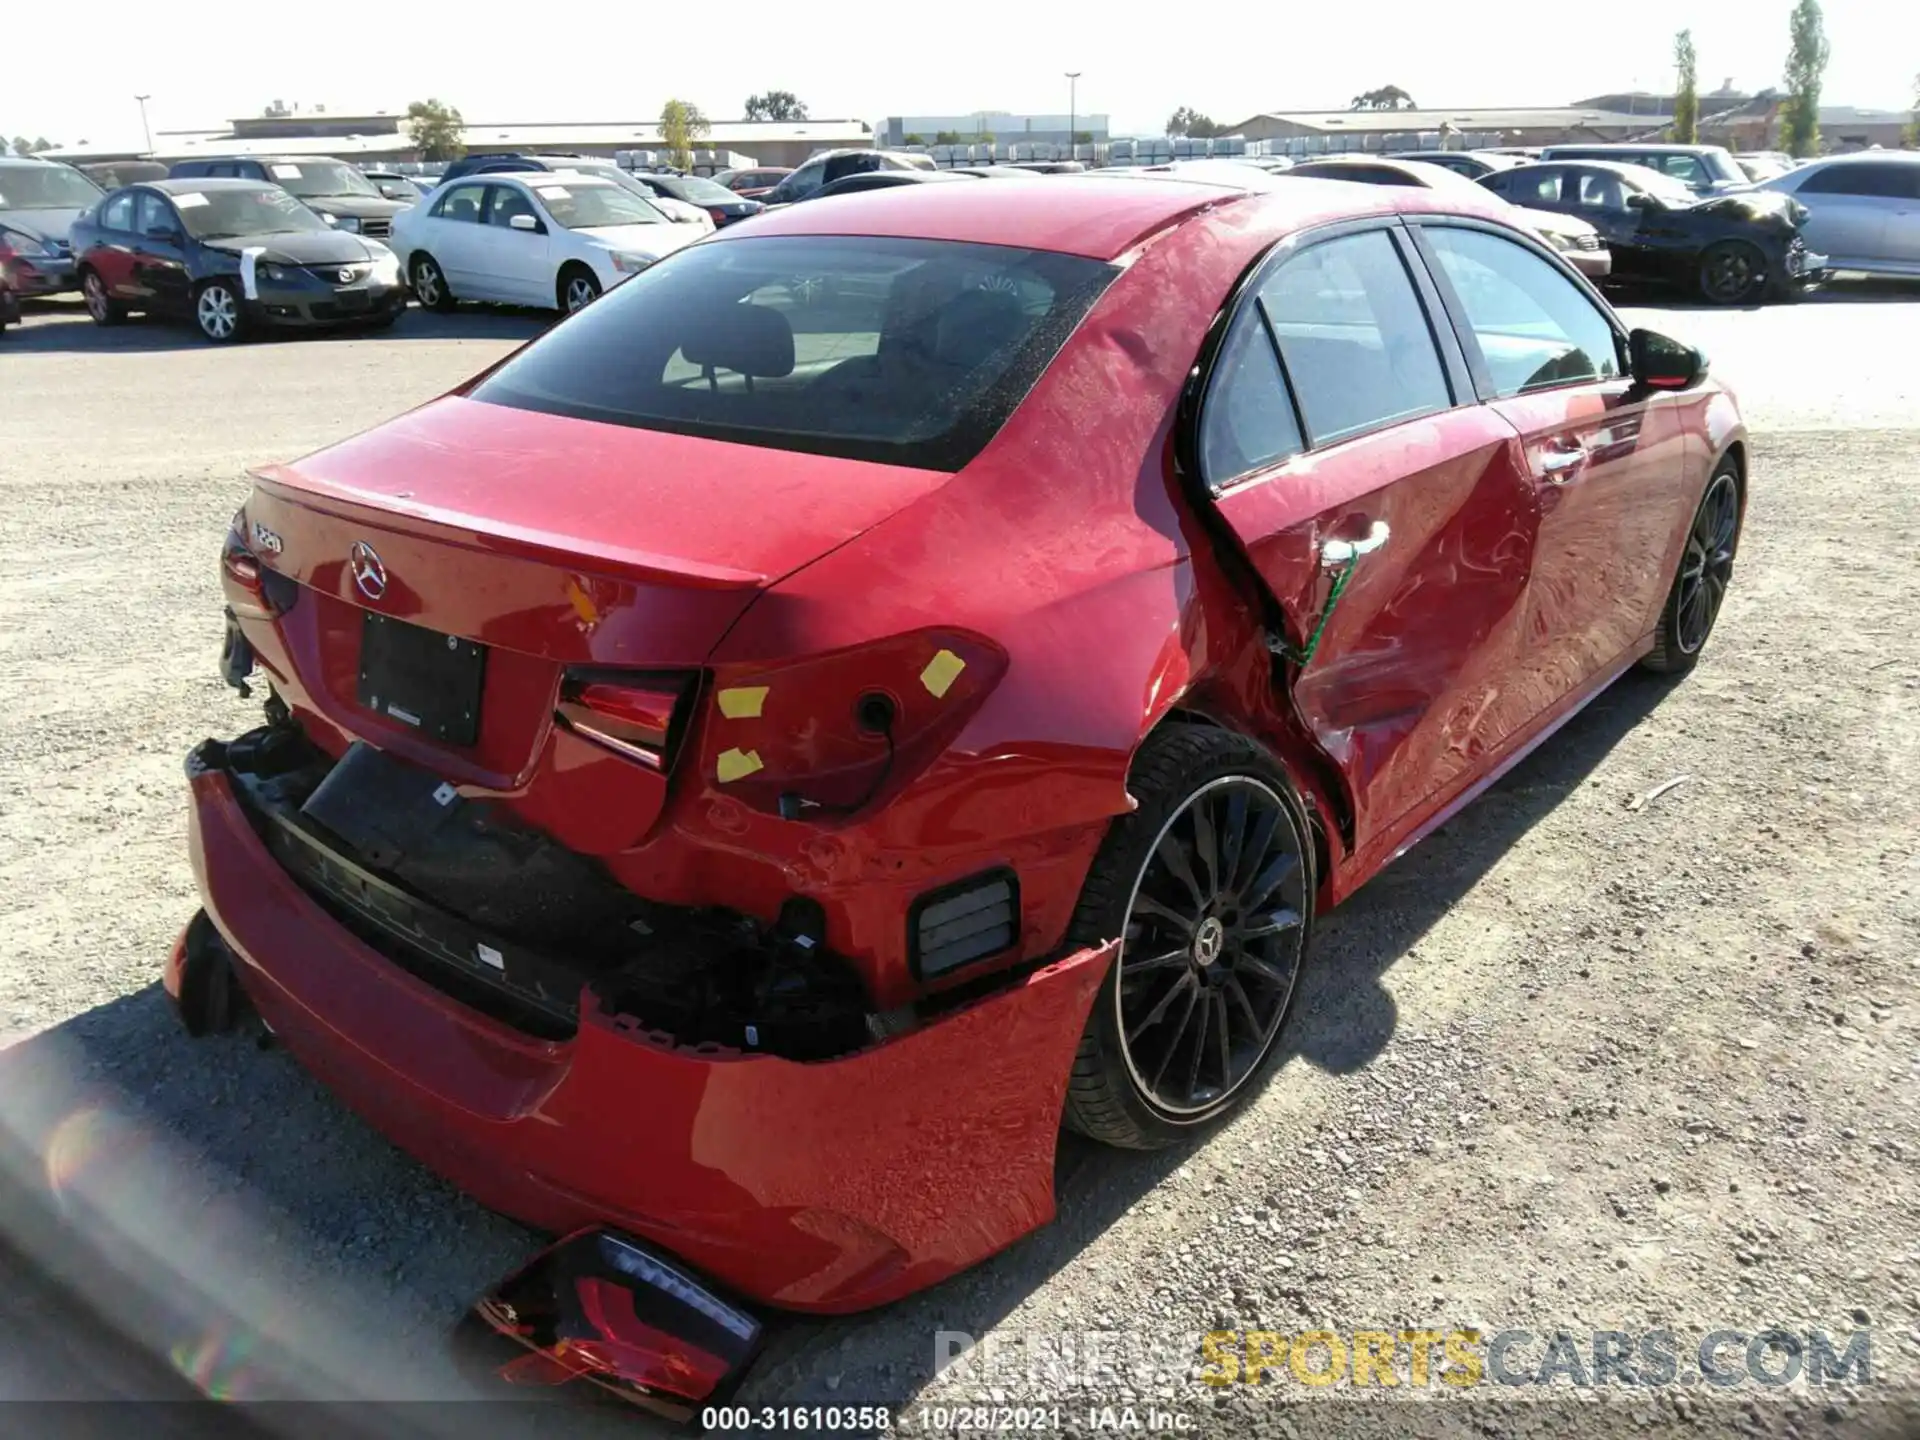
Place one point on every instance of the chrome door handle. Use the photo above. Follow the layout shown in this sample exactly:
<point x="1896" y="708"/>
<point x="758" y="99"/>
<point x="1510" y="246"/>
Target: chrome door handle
<point x="1335" y="553"/>
<point x="1559" y="465"/>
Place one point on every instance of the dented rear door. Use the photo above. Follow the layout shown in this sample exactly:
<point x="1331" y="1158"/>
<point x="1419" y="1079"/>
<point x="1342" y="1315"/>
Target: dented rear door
<point x="1341" y="385"/>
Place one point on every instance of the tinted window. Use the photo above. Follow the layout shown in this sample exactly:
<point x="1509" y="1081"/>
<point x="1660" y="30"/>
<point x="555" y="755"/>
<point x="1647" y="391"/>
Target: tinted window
<point x="1529" y="187"/>
<point x="912" y="352"/>
<point x="1533" y="325"/>
<point x="1248" y="421"/>
<point x="1899" y="182"/>
<point x="117" y="213"/>
<point x="805" y="180"/>
<point x="1360" y="174"/>
<point x="1600" y="190"/>
<point x="152" y="214"/>
<point x="1354" y="336"/>
<point x="462" y="202"/>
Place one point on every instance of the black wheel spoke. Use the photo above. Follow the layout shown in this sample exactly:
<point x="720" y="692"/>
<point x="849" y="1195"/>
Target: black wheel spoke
<point x="1213" y="937"/>
<point x="1269" y="879"/>
<point x="1174" y="856"/>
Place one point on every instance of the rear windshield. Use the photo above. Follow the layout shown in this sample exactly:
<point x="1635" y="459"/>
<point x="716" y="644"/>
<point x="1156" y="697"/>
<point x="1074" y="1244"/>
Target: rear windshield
<point x="909" y="352"/>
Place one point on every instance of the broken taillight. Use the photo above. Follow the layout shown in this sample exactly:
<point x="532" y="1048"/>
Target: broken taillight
<point x="254" y="592"/>
<point x="630" y="715"/>
<point x="828" y="735"/>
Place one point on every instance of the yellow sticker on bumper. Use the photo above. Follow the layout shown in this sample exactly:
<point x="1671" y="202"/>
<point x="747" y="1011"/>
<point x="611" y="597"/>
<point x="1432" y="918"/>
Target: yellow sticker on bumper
<point x="743" y="702"/>
<point x="736" y="764"/>
<point x="941" y="672"/>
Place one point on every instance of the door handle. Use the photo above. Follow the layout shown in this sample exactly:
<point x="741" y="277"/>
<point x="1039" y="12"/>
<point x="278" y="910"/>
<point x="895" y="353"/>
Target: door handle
<point x="1561" y="465"/>
<point x="1336" y="553"/>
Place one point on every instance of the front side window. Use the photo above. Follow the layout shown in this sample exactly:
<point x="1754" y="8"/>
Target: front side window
<point x="1533" y="326"/>
<point x="507" y="203"/>
<point x="1355" y="337"/>
<point x="1531" y="187"/>
<point x="1602" y="190"/>
<point x="804" y="181"/>
<point x="152" y="214"/>
<point x="909" y="352"/>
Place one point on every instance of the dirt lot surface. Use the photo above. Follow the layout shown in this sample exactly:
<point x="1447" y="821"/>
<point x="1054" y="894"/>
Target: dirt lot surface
<point x="1572" y="1065"/>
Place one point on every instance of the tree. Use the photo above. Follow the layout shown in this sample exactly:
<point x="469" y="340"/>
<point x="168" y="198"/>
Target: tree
<point x="1913" y="130"/>
<point x="681" y="123"/>
<point x="22" y="145"/>
<point x="1083" y="137"/>
<point x="1387" y="97"/>
<point x="946" y="137"/>
<point x="42" y="144"/>
<point x="1188" y="121"/>
<point x="1806" y="69"/>
<point x="437" y="131"/>
<point x="776" y="105"/>
<point x="1686" y="96"/>
<point x="913" y="137"/>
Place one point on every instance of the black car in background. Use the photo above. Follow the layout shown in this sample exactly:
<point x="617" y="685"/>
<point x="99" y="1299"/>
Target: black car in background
<point x="332" y="189"/>
<point x="884" y="180"/>
<point x="834" y="165"/>
<point x="722" y="204"/>
<point x="233" y="256"/>
<point x="1730" y="249"/>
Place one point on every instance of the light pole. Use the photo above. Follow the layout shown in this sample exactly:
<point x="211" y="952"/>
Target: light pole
<point x="1073" y="77"/>
<point x="143" y="120"/>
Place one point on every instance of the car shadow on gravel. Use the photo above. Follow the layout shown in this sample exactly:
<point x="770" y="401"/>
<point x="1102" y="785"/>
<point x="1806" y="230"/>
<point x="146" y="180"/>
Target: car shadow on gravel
<point x="274" y="1172"/>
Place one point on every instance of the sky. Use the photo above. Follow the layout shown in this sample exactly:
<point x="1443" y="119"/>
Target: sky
<point x="1233" y="59"/>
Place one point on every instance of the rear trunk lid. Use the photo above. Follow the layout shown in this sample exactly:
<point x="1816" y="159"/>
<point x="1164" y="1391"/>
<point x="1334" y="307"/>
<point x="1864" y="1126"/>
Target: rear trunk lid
<point x="531" y="546"/>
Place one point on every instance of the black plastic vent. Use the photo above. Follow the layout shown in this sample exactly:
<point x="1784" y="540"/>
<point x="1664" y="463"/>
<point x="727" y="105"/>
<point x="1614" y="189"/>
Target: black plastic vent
<point x="963" y="922"/>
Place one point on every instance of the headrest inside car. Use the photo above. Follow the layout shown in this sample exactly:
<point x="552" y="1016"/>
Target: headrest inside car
<point x="973" y="326"/>
<point x="747" y="339"/>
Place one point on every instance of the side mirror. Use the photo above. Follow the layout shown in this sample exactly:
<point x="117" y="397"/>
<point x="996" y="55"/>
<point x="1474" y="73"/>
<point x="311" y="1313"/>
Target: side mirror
<point x="1641" y="200"/>
<point x="163" y="234"/>
<point x="523" y="222"/>
<point x="1660" y="363"/>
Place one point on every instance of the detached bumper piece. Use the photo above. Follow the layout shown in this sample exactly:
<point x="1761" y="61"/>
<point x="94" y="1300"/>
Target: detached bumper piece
<point x="602" y="1311"/>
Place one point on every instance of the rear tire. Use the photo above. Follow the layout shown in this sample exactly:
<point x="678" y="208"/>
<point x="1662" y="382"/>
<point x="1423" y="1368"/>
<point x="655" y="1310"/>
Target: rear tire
<point x="1706" y="570"/>
<point x="1210" y="883"/>
<point x="430" y="286"/>
<point x="577" y="288"/>
<point x="101" y="307"/>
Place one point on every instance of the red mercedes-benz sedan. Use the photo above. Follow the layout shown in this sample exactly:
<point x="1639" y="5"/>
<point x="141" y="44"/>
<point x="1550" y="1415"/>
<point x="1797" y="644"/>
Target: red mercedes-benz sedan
<point x="906" y="673"/>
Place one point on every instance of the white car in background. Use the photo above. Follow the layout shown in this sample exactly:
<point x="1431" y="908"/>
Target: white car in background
<point x="556" y="239"/>
<point x="1863" y="209"/>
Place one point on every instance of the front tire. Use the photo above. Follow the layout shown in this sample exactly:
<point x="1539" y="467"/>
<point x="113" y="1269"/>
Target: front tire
<point x="101" y="307"/>
<point x="1209" y="882"/>
<point x="430" y="286"/>
<point x="1732" y="273"/>
<point x="219" y="312"/>
<point x="577" y="288"/>
<point x="1706" y="570"/>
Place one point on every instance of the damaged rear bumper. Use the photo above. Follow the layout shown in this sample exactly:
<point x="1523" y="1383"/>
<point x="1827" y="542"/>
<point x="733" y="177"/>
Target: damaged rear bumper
<point x="825" y="1186"/>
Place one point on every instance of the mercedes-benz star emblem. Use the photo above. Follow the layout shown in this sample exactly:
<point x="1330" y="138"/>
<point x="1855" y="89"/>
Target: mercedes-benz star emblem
<point x="1208" y="941"/>
<point x="368" y="573"/>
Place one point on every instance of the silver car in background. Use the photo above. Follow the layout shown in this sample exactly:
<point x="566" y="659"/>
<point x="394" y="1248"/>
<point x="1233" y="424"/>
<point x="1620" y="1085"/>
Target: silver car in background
<point x="1863" y="209"/>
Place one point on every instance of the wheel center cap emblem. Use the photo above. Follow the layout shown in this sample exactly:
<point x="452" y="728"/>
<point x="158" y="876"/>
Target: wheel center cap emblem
<point x="368" y="573"/>
<point x="1209" y="940"/>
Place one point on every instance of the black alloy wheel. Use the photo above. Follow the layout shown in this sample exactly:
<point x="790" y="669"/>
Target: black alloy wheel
<point x="1706" y="572"/>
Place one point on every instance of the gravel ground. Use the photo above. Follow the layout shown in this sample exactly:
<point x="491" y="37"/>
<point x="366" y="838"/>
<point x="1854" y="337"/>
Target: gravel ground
<point x="1570" y="1065"/>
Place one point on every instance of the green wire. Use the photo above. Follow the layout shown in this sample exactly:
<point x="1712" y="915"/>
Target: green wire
<point x="1304" y="656"/>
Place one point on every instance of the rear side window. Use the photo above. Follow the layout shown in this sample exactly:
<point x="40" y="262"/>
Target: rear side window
<point x="1533" y="326"/>
<point x="1355" y="337"/>
<point x="909" y="352"/>
<point x="1248" y="422"/>
<point x="1898" y="182"/>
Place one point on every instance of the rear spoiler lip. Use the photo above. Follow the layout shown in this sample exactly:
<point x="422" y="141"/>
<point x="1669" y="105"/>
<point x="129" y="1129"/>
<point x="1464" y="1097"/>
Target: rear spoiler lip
<point x="479" y="532"/>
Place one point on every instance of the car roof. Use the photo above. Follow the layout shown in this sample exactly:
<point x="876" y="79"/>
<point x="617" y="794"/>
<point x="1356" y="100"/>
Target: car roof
<point x="1625" y="147"/>
<point x="1858" y="157"/>
<point x="1097" y="216"/>
<point x="264" y="160"/>
<point x="532" y="178"/>
<point x="198" y="184"/>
